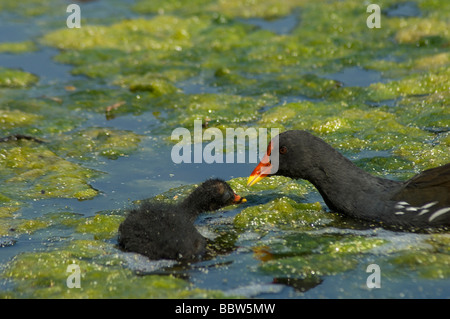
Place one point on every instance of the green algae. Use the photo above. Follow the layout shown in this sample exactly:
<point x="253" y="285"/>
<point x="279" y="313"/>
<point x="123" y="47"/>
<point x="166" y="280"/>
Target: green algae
<point x="248" y="9"/>
<point x="98" y="100"/>
<point x="238" y="8"/>
<point x="163" y="33"/>
<point x="405" y="115"/>
<point x="32" y="8"/>
<point x="257" y="56"/>
<point x="219" y="110"/>
<point x="102" y="275"/>
<point x="302" y="255"/>
<point x="423" y="264"/>
<point x="17" y="47"/>
<point x="347" y="127"/>
<point x="14" y="226"/>
<point x="343" y="125"/>
<point x="381" y="166"/>
<point x="323" y="32"/>
<point x="100" y="226"/>
<point x="440" y="243"/>
<point x="354" y="245"/>
<point x="309" y="266"/>
<point x="328" y="244"/>
<point x="149" y="82"/>
<point x="40" y="116"/>
<point x="7" y="211"/>
<point x="63" y="219"/>
<point x="415" y="84"/>
<point x="427" y="112"/>
<point x="431" y="261"/>
<point x="164" y="7"/>
<point x="11" y="78"/>
<point x="420" y="31"/>
<point x="282" y="212"/>
<point x="34" y="172"/>
<point x="92" y="143"/>
<point x="15" y="118"/>
<point x="296" y="244"/>
<point x="274" y="184"/>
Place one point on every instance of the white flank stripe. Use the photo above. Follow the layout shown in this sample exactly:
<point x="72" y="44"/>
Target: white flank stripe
<point x="423" y="212"/>
<point x="399" y="213"/>
<point x="439" y="213"/>
<point x="429" y="205"/>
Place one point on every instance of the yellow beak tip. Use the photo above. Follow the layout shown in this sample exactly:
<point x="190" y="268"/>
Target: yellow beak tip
<point x="252" y="180"/>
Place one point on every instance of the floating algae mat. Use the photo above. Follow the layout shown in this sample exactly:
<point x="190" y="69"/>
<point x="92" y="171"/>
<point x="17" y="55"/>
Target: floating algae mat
<point x="76" y="152"/>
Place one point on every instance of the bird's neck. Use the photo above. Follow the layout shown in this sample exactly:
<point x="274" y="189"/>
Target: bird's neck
<point x="345" y="187"/>
<point x="191" y="206"/>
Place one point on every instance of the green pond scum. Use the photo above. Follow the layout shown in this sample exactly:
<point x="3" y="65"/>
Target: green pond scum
<point x="76" y="151"/>
<point x="11" y="78"/>
<point x="17" y="47"/>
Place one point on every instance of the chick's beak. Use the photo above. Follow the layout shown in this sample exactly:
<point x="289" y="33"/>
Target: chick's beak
<point x="262" y="170"/>
<point x="238" y="199"/>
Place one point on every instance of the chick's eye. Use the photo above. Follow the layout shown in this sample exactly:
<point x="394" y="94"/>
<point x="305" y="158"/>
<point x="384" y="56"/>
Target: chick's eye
<point x="227" y="196"/>
<point x="283" y="150"/>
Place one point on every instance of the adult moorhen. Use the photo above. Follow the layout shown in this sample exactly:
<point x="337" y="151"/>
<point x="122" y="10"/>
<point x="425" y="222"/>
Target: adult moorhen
<point x="167" y="231"/>
<point x="420" y="203"/>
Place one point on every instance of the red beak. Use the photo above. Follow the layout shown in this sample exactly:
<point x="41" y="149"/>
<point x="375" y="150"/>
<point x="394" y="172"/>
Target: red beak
<point x="263" y="169"/>
<point x="238" y="199"/>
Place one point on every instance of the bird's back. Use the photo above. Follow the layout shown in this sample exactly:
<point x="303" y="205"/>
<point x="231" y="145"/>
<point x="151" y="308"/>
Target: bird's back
<point x="160" y="231"/>
<point x="425" y="198"/>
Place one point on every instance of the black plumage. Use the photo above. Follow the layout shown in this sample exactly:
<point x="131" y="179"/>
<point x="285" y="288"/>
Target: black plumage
<point x="167" y="231"/>
<point x="420" y="203"/>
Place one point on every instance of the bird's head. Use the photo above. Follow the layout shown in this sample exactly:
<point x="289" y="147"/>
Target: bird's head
<point x="287" y="155"/>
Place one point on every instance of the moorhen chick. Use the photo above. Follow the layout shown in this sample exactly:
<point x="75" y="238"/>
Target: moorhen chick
<point x="419" y="203"/>
<point x="167" y="231"/>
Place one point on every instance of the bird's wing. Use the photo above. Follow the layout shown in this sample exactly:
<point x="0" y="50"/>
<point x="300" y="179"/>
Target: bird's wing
<point x="430" y="185"/>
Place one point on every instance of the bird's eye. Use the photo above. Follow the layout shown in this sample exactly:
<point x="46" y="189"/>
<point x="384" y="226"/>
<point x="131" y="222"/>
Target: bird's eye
<point x="283" y="150"/>
<point x="227" y="197"/>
